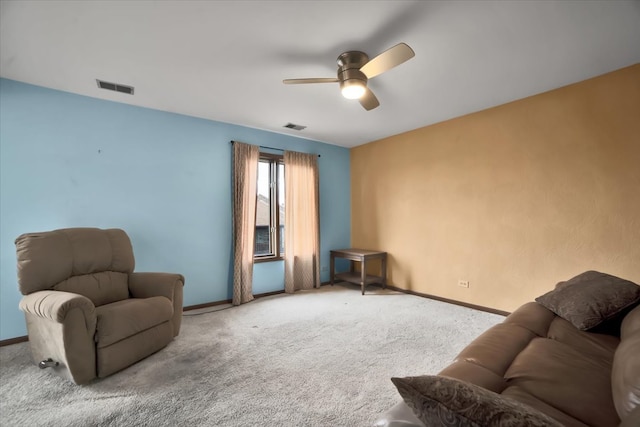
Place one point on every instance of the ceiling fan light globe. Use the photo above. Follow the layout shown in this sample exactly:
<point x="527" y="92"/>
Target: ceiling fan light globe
<point x="353" y="89"/>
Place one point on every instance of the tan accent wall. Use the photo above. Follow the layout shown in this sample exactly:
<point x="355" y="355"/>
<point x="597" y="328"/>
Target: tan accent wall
<point x="513" y="199"/>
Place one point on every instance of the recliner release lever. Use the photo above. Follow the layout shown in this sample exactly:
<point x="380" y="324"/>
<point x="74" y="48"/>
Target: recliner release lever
<point x="49" y="363"/>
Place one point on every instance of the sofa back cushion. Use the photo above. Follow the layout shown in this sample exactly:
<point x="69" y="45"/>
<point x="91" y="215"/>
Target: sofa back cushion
<point x="625" y="374"/>
<point x="49" y="259"/>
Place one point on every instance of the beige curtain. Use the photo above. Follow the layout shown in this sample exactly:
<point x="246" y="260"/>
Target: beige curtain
<point x="302" y="222"/>
<point x="245" y="182"/>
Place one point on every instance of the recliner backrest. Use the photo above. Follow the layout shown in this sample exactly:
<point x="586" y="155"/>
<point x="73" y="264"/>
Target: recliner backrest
<point x="87" y="261"/>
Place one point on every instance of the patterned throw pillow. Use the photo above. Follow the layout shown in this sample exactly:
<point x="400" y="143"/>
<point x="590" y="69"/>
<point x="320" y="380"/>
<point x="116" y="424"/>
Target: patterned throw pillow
<point x="443" y="401"/>
<point x="591" y="298"/>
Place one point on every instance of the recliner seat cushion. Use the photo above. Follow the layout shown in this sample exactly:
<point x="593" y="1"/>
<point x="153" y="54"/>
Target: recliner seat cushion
<point x="122" y="319"/>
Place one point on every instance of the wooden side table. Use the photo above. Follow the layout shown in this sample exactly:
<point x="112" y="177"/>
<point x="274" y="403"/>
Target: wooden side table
<point x="361" y="255"/>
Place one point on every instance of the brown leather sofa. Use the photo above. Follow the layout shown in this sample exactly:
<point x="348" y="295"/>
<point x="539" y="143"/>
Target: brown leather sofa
<point x="563" y="375"/>
<point x="85" y="308"/>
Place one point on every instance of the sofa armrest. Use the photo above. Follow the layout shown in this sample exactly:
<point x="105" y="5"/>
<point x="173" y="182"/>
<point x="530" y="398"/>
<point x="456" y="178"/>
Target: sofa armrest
<point x="55" y="305"/>
<point x="633" y="419"/>
<point x="169" y="285"/>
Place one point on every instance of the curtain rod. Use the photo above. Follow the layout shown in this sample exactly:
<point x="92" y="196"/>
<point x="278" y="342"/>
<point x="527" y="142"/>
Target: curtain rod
<point x="270" y="148"/>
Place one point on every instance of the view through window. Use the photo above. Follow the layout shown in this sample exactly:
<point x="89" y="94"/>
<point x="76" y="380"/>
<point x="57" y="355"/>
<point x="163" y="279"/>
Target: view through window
<point x="269" y="237"/>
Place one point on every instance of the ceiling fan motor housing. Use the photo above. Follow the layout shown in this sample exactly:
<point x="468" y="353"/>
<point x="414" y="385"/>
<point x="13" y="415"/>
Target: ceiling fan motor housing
<point x="349" y="67"/>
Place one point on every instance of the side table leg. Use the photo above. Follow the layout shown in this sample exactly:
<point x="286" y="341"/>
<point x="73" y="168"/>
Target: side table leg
<point x="384" y="272"/>
<point x="363" y="274"/>
<point x="332" y="272"/>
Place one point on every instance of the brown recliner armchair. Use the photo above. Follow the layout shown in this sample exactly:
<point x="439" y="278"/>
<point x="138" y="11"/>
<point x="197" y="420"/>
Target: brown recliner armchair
<point x="88" y="314"/>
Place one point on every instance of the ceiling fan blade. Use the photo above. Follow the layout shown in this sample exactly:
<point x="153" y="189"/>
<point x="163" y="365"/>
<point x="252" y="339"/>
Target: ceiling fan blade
<point x="388" y="59"/>
<point x="316" y="80"/>
<point x="369" y="100"/>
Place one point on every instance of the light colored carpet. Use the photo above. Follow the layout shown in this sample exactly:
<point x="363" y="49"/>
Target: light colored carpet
<point x="315" y="358"/>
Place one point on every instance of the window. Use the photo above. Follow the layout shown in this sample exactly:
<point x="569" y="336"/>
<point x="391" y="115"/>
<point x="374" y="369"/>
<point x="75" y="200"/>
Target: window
<point x="269" y="238"/>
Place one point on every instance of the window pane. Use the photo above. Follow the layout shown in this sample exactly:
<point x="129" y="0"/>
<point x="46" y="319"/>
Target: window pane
<point x="281" y="206"/>
<point x="263" y="211"/>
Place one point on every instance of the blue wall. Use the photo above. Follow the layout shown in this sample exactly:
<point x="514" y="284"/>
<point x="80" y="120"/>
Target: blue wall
<point x="73" y="161"/>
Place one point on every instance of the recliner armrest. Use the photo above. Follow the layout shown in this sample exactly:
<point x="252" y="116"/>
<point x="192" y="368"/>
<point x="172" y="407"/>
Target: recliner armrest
<point x="146" y="285"/>
<point x="169" y="285"/>
<point x="62" y="327"/>
<point x="55" y="305"/>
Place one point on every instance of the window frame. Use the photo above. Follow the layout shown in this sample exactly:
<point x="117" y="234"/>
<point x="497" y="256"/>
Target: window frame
<point x="274" y="161"/>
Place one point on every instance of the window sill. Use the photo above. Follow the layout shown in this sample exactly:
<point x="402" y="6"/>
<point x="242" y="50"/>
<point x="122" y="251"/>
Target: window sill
<point x="267" y="259"/>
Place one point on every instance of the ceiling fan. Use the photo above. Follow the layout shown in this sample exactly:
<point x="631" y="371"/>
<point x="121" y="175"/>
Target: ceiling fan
<point x="355" y="69"/>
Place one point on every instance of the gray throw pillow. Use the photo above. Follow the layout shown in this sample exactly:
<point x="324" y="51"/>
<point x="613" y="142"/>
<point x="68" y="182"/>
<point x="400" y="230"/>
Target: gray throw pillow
<point x="591" y="298"/>
<point x="443" y="401"/>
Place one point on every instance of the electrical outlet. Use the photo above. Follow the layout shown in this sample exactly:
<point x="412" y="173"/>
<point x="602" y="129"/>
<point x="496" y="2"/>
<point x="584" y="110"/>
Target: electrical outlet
<point x="324" y="268"/>
<point x="463" y="283"/>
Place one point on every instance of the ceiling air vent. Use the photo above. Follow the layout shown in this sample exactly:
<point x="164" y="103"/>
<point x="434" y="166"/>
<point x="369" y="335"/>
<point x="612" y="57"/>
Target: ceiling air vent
<point x="294" y="126"/>
<point x="115" y="87"/>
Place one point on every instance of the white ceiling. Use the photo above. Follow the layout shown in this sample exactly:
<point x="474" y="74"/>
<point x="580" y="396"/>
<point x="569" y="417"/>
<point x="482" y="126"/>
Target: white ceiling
<point x="225" y="60"/>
